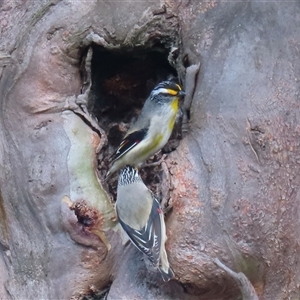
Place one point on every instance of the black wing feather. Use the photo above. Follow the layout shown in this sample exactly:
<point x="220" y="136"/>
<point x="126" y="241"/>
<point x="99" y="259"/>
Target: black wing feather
<point x="148" y="239"/>
<point x="130" y="141"/>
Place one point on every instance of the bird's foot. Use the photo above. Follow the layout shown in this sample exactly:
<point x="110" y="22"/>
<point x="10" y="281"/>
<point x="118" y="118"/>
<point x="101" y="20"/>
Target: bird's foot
<point x="154" y="164"/>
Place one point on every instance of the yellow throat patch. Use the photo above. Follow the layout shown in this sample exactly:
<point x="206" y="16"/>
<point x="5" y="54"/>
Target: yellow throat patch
<point x="175" y="104"/>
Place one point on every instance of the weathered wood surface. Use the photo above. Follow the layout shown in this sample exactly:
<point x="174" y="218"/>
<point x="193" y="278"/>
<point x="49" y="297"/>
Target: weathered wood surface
<point x="234" y="176"/>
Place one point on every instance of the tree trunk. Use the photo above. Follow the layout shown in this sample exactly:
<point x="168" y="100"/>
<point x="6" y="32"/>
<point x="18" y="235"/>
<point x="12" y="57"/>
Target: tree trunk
<point x="74" y="74"/>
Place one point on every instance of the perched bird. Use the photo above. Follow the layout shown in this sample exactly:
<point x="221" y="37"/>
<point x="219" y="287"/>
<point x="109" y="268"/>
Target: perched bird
<point x="152" y="129"/>
<point x="141" y="216"/>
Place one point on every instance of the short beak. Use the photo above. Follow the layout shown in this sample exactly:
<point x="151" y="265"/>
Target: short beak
<point x="181" y="94"/>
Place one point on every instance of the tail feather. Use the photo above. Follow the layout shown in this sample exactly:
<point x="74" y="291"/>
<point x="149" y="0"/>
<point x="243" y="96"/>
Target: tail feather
<point x="108" y="174"/>
<point x="166" y="276"/>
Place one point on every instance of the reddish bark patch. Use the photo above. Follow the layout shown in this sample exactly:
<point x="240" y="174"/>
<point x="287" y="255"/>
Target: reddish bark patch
<point x="86" y="215"/>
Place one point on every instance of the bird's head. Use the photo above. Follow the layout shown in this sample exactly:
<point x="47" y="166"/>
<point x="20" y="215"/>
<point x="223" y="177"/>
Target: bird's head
<point x="166" y="92"/>
<point x="129" y="175"/>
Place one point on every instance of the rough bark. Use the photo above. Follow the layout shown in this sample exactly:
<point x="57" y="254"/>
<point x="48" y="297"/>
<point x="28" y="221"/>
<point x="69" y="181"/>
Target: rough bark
<point x="232" y="181"/>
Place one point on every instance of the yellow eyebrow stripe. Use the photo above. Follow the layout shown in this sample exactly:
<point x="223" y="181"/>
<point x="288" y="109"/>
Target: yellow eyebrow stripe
<point x="172" y="92"/>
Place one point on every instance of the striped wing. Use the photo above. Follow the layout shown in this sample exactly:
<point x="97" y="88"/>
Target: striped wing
<point x="130" y="141"/>
<point x="148" y="239"/>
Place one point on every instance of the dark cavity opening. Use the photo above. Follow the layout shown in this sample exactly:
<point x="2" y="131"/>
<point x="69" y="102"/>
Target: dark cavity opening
<point x="121" y="82"/>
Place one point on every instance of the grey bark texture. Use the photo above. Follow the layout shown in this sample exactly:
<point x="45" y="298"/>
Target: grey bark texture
<point x="233" y="181"/>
